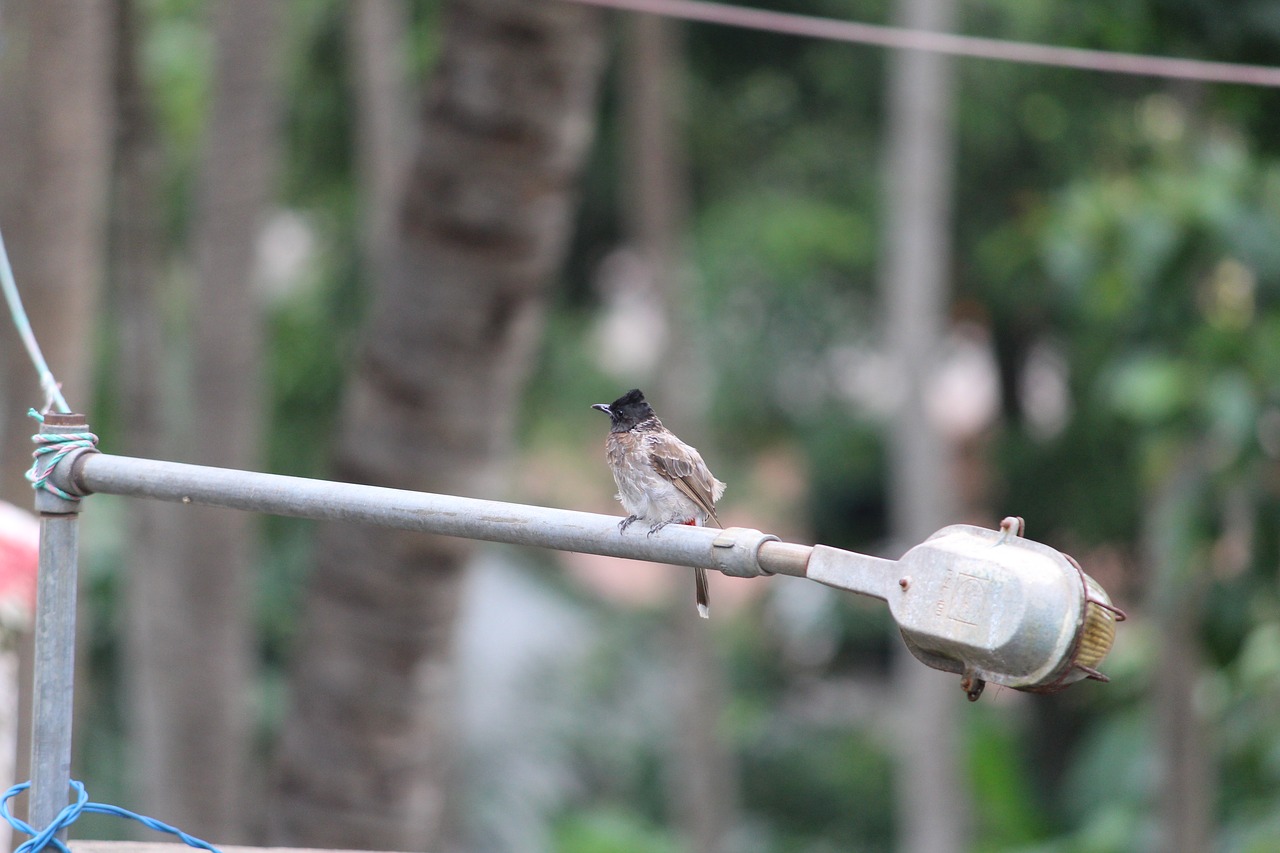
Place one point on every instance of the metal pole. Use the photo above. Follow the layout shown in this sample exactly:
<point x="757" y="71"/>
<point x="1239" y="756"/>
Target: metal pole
<point x="736" y="551"/>
<point x="55" y="629"/>
<point x="984" y="603"/>
<point x="55" y="640"/>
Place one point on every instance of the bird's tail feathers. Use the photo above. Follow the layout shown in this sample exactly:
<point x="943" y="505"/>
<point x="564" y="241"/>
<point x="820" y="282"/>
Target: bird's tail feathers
<point x="702" y="593"/>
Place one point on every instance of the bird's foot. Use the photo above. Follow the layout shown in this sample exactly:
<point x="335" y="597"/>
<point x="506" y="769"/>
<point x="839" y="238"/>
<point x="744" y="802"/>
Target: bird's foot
<point x="655" y="528"/>
<point x="626" y="522"/>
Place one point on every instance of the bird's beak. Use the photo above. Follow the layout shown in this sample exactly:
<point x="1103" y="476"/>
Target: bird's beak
<point x="604" y="407"/>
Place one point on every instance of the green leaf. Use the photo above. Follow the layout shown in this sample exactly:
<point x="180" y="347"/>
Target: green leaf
<point x="1149" y="388"/>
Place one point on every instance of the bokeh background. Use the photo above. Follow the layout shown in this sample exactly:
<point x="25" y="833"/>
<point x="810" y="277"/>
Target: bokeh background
<point x="410" y="243"/>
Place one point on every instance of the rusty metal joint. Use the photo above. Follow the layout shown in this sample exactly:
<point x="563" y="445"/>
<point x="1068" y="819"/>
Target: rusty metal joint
<point x="63" y="442"/>
<point x="65" y="474"/>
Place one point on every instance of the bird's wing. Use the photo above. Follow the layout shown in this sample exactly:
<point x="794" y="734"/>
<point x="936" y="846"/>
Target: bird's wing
<point x="683" y="466"/>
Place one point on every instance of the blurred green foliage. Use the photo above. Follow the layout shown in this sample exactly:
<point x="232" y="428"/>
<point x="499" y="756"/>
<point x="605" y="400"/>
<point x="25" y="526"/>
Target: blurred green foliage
<point x="1131" y="224"/>
<point x="611" y="831"/>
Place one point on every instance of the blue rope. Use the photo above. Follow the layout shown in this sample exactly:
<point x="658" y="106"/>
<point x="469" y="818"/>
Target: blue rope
<point x="56" y="447"/>
<point x="46" y="837"/>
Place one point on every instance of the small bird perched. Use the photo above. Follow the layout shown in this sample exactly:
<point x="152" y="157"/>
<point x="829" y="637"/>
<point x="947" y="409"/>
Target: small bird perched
<point x="660" y="478"/>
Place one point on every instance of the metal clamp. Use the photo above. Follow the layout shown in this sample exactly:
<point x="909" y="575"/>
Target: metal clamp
<point x="736" y="551"/>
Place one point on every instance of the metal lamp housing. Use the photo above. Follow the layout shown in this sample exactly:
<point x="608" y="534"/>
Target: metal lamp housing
<point x="996" y="607"/>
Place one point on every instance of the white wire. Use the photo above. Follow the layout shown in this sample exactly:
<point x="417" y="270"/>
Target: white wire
<point x="52" y="390"/>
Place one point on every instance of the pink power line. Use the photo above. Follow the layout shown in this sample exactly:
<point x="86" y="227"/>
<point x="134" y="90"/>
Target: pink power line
<point x="950" y="43"/>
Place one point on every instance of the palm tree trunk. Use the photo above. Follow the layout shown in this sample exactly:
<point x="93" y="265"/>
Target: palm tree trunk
<point x="485" y="218"/>
<point x="139" y="245"/>
<point x="55" y="101"/>
<point x="54" y="104"/>
<point x="205" y="724"/>
<point x="383" y="115"/>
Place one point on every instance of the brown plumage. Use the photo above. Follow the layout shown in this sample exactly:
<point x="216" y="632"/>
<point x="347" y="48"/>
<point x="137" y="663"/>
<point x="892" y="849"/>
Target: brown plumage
<point x="660" y="479"/>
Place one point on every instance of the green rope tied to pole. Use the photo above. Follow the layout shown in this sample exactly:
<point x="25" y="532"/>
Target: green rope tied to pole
<point x="55" y="447"/>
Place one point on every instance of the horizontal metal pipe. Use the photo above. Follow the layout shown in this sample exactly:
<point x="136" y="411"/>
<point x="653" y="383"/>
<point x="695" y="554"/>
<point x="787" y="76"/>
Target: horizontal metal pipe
<point x="492" y="521"/>
<point x="785" y="558"/>
<point x="960" y="598"/>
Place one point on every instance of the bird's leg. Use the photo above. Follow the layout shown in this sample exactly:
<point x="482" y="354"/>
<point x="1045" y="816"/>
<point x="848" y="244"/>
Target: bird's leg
<point x="677" y="520"/>
<point x="626" y="522"/>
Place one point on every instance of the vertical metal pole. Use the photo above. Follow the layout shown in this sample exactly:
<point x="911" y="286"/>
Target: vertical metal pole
<point x="55" y="640"/>
<point x="931" y="808"/>
<point x="54" y="668"/>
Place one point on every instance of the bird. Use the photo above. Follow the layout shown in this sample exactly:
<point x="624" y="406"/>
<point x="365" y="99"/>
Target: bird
<point x="660" y="479"/>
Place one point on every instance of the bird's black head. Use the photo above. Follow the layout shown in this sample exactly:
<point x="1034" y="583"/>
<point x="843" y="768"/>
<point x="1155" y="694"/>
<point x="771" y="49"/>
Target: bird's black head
<point x="627" y="411"/>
